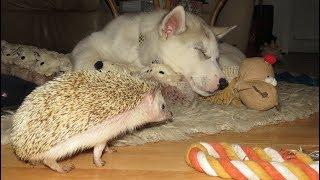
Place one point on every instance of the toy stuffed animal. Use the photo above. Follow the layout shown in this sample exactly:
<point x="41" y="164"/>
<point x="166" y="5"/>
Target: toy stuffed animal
<point x="254" y="87"/>
<point x="175" y="89"/>
<point x="256" y="83"/>
<point x="31" y="63"/>
<point x="228" y="96"/>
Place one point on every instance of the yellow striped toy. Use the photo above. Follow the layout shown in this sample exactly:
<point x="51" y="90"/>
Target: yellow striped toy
<point x="242" y="162"/>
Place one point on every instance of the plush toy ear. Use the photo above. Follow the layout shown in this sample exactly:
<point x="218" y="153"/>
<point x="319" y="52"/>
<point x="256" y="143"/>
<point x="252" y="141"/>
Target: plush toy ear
<point x="173" y="23"/>
<point x="220" y="32"/>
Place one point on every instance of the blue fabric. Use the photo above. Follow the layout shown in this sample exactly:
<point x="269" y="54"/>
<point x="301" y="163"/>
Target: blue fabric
<point x="300" y="79"/>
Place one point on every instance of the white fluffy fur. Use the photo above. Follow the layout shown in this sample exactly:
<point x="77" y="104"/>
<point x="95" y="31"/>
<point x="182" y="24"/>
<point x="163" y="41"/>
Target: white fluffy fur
<point x="191" y="50"/>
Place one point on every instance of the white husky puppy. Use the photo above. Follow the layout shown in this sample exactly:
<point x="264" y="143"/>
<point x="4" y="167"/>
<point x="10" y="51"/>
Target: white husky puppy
<point x="181" y="40"/>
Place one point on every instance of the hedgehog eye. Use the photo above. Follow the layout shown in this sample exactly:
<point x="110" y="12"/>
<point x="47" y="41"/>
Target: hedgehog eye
<point x="163" y="106"/>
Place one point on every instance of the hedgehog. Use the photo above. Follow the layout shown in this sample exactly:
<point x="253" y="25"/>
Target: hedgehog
<point x="80" y="110"/>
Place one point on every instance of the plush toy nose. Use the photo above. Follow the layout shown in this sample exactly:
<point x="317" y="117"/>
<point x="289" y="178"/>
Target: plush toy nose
<point x="223" y="83"/>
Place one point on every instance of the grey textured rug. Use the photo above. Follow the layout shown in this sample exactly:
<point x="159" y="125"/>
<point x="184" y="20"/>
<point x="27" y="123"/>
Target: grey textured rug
<point x="298" y="101"/>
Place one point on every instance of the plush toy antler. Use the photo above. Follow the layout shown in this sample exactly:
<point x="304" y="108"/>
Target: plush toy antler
<point x="270" y="58"/>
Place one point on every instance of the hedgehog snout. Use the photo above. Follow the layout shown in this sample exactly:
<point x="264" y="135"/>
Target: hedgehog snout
<point x="167" y="116"/>
<point x="170" y="117"/>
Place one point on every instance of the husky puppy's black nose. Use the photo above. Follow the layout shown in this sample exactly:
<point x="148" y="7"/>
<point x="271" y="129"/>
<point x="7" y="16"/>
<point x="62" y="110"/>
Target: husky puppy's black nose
<point x="223" y="83"/>
<point x="98" y="65"/>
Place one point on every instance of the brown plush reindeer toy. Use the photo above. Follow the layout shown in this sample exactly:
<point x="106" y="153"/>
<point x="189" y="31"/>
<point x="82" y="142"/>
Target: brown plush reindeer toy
<point x="256" y="84"/>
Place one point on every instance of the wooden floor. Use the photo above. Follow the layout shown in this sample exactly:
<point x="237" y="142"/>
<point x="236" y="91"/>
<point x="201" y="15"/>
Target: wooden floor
<point x="164" y="160"/>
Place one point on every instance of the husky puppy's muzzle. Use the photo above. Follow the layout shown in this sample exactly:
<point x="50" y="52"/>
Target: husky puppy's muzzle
<point x="223" y="83"/>
<point x="206" y="86"/>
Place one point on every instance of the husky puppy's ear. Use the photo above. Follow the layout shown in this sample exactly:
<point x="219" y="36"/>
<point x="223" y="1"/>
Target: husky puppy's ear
<point x="173" y="23"/>
<point x="220" y="32"/>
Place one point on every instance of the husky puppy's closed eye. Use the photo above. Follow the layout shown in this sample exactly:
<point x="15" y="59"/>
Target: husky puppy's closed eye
<point x="178" y="39"/>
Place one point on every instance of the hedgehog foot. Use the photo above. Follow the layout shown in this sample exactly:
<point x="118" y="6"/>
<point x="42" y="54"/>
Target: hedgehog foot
<point x="34" y="163"/>
<point x="108" y="149"/>
<point x="97" y="153"/>
<point x="53" y="164"/>
<point x="99" y="163"/>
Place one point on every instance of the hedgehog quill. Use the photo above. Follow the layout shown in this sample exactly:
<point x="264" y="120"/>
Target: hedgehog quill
<point x="81" y="110"/>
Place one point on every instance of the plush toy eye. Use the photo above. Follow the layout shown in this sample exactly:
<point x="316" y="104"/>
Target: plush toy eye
<point x="161" y="72"/>
<point x="98" y="65"/>
<point x="36" y="54"/>
<point x="163" y="106"/>
<point x="156" y="61"/>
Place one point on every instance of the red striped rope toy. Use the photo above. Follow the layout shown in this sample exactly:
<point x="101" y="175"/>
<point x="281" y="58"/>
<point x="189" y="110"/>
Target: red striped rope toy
<point x="242" y="162"/>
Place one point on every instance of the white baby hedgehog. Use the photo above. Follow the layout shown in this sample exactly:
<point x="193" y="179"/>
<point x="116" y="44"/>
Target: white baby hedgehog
<point x="80" y="110"/>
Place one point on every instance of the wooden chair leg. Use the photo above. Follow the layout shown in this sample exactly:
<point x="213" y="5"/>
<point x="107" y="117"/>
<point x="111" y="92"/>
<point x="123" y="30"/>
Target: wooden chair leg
<point x="216" y="11"/>
<point x="156" y="4"/>
<point x="113" y="8"/>
<point x="167" y="5"/>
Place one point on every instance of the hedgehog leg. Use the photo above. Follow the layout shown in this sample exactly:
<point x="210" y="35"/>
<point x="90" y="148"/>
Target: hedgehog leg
<point x="97" y="153"/>
<point x="108" y="149"/>
<point x="53" y="164"/>
<point x="34" y="163"/>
